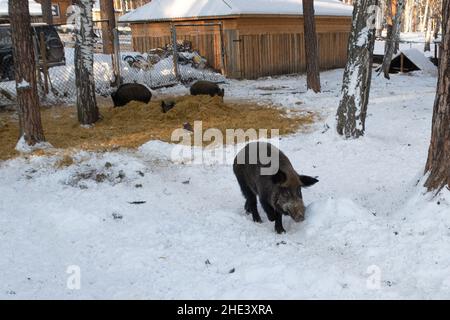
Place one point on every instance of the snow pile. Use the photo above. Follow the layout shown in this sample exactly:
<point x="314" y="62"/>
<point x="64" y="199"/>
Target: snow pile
<point x="23" y="84"/>
<point x="138" y="224"/>
<point x="23" y="147"/>
<point x="172" y="9"/>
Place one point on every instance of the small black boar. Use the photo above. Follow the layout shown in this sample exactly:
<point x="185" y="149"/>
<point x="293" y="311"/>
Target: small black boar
<point x="166" y="106"/>
<point x="279" y="192"/>
<point x="131" y="92"/>
<point x="206" y="88"/>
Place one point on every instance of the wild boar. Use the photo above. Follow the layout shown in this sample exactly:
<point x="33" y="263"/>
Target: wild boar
<point x="168" y="105"/>
<point x="206" y="88"/>
<point x="131" y="92"/>
<point x="264" y="171"/>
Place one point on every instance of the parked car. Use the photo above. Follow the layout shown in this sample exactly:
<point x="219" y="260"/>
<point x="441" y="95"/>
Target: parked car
<point x="54" y="48"/>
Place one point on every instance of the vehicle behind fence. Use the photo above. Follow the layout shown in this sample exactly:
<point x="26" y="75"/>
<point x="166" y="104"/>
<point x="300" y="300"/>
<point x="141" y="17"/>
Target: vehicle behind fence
<point x="155" y="69"/>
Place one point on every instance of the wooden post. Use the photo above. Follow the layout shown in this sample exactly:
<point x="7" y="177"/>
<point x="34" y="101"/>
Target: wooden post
<point x="435" y="50"/>
<point x="47" y="15"/>
<point x="107" y="13"/>
<point x="116" y="59"/>
<point x="175" y="52"/>
<point x="222" y="49"/>
<point x="36" y="47"/>
<point x="43" y="51"/>
<point x="402" y="62"/>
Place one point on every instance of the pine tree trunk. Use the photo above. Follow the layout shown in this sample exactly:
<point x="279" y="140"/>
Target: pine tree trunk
<point x="46" y="7"/>
<point x="438" y="163"/>
<point x="311" y="51"/>
<point x="391" y="44"/>
<point x="25" y="73"/>
<point x="84" y="65"/>
<point x="351" y="114"/>
<point x="107" y="13"/>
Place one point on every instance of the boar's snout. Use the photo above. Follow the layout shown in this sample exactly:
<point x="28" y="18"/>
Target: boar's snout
<point x="298" y="218"/>
<point x="298" y="212"/>
<point x="295" y="209"/>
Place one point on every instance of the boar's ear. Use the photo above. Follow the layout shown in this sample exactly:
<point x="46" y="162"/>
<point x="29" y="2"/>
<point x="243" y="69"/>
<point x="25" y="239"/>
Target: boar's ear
<point x="279" y="178"/>
<point x="307" y="181"/>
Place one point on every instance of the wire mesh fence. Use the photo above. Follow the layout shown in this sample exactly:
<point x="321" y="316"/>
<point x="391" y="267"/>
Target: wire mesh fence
<point x="156" y="68"/>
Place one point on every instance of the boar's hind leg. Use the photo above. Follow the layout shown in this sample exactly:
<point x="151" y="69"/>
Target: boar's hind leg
<point x="250" y="203"/>
<point x="251" y="207"/>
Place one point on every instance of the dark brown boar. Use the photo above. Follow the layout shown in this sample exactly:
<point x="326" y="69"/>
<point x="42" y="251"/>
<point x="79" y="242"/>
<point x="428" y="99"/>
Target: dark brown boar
<point x="264" y="171"/>
<point x="131" y="92"/>
<point x="206" y="88"/>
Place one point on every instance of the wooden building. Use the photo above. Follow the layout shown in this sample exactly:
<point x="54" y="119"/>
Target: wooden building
<point x="59" y="8"/>
<point x="34" y="8"/>
<point x="245" y="38"/>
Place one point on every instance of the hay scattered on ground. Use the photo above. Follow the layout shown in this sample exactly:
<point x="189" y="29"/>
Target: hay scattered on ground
<point x="137" y="123"/>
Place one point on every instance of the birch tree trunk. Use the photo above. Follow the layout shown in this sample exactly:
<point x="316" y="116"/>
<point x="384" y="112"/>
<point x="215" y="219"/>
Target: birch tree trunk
<point x="123" y="4"/>
<point x="438" y="163"/>
<point x="379" y="25"/>
<point x="425" y="16"/>
<point x="408" y="16"/>
<point x="311" y="51"/>
<point x="351" y="114"/>
<point x="25" y="73"/>
<point x="393" y="37"/>
<point x="84" y="65"/>
<point x="428" y="33"/>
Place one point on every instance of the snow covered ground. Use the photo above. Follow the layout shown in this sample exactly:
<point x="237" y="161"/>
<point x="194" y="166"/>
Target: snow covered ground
<point x="371" y="231"/>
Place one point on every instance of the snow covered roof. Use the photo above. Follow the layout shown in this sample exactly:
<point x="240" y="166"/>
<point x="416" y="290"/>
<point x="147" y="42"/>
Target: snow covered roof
<point x="419" y="59"/>
<point x="35" y="8"/>
<point x="159" y="10"/>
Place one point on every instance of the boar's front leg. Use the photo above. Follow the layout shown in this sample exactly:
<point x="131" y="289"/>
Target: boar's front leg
<point x="251" y="207"/>
<point x="279" y="223"/>
<point x="273" y="215"/>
